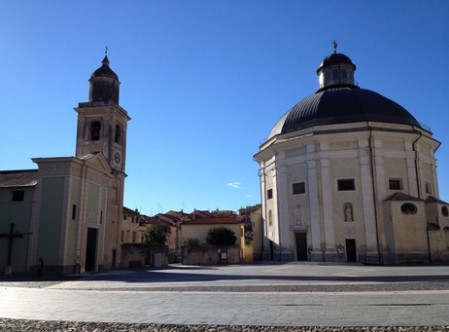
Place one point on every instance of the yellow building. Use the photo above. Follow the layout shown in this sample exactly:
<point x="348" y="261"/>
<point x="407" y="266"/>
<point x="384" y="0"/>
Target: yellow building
<point x="192" y="228"/>
<point x="133" y="227"/>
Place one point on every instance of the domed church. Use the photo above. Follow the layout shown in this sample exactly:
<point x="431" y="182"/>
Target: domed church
<point x="348" y="175"/>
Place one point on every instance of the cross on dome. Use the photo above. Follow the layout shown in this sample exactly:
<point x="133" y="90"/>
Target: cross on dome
<point x="334" y="43"/>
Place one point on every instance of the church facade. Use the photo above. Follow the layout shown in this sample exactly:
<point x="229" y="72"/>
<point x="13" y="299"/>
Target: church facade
<point x="68" y="211"/>
<point x="348" y="175"/>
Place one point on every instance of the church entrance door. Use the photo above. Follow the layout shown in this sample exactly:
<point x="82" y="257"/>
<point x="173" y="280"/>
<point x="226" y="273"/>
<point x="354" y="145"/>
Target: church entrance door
<point x="91" y="248"/>
<point x="301" y="246"/>
<point x="351" y="252"/>
<point x="114" y="257"/>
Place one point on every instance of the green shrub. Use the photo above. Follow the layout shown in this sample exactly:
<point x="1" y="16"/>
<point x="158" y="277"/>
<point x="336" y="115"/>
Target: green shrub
<point x="221" y="236"/>
<point x="192" y="242"/>
<point x="156" y="235"/>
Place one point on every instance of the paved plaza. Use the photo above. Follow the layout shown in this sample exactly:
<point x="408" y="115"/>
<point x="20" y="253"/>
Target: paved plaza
<point x="291" y="294"/>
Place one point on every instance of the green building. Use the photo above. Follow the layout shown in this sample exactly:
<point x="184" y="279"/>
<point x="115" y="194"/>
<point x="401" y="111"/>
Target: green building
<point x="68" y="211"/>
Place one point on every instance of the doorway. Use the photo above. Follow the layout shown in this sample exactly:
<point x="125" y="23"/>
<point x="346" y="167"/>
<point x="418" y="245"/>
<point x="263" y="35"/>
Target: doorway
<point x="301" y="246"/>
<point x="114" y="257"/>
<point x="91" y="249"/>
<point x="351" y="252"/>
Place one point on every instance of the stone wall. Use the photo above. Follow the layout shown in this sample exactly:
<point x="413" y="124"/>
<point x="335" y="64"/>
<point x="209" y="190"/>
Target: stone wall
<point x="211" y="255"/>
<point x="138" y="255"/>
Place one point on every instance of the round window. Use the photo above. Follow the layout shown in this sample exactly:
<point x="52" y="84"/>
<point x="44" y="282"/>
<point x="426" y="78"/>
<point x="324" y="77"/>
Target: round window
<point x="409" y="208"/>
<point x="444" y="211"/>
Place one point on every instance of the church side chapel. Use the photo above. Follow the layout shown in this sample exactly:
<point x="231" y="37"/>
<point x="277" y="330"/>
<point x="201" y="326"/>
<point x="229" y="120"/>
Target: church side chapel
<point x="68" y="211"/>
<point x="348" y="175"/>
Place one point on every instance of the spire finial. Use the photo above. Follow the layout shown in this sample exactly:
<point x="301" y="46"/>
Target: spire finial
<point x="334" y="43"/>
<point x="105" y="61"/>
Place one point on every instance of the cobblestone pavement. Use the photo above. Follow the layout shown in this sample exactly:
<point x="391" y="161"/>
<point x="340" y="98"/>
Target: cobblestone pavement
<point x="35" y="325"/>
<point x="235" y="298"/>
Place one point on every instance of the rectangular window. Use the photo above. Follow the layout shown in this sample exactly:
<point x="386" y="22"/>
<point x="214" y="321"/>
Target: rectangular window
<point x="134" y="237"/>
<point x="73" y="211"/>
<point x="18" y="195"/>
<point x="298" y="188"/>
<point x="269" y="193"/>
<point x="122" y="236"/>
<point x="346" y="184"/>
<point x="395" y="184"/>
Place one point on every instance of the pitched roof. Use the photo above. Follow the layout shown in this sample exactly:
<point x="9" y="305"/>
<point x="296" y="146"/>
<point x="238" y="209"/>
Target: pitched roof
<point x="250" y="208"/>
<point x="18" y="178"/>
<point x="402" y="197"/>
<point x="432" y="199"/>
<point x="214" y="221"/>
<point x="197" y="217"/>
<point x="130" y="211"/>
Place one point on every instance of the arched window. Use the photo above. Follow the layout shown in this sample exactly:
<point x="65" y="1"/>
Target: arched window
<point x="95" y="128"/>
<point x="444" y="211"/>
<point x="409" y="208"/>
<point x="118" y="134"/>
<point x="270" y="218"/>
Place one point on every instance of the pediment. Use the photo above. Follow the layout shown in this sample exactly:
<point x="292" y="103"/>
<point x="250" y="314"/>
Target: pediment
<point x="97" y="161"/>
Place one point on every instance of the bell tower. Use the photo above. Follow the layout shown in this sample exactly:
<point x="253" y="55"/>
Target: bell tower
<point x="102" y="129"/>
<point x="102" y="122"/>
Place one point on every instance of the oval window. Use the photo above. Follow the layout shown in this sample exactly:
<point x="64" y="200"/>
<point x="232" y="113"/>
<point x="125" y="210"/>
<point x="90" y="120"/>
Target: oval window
<point x="409" y="208"/>
<point x="444" y="211"/>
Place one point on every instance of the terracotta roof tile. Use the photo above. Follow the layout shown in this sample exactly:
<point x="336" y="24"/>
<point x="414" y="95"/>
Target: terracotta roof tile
<point x="18" y="178"/>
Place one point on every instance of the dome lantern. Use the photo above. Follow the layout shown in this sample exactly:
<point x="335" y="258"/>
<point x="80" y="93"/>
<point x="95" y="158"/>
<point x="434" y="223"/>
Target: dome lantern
<point x="336" y="70"/>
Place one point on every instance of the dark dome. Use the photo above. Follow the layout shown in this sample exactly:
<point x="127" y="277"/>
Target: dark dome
<point x="105" y="70"/>
<point x="342" y="105"/>
<point x="104" y="84"/>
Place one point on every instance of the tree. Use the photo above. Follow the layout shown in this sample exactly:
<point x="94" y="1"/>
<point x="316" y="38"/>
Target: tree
<point x="221" y="236"/>
<point x="156" y="235"/>
<point x="190" y="242"/>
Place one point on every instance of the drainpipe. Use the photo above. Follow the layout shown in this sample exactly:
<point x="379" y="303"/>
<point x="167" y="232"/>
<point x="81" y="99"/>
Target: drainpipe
<point x="373" y="172"/>
<point x="415" y="150"/>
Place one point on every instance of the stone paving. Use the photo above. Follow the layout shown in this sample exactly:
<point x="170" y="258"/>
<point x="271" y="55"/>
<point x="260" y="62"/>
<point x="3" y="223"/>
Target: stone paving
<point x="35" y="325"/>
<point x="235" y="298"/>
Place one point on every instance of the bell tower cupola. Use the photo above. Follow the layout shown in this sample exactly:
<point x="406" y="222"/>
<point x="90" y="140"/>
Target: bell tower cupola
<point x="102" y="122"/>
<point x="336" y="70"/>
<point x="104" y="85"/>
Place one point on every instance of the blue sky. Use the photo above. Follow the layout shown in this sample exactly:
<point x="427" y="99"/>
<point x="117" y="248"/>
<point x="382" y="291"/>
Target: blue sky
<point x="205" y="81"/>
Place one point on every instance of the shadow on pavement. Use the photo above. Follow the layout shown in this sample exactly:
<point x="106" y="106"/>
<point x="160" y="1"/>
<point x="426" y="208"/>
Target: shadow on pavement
<point x="182" y="273"/>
